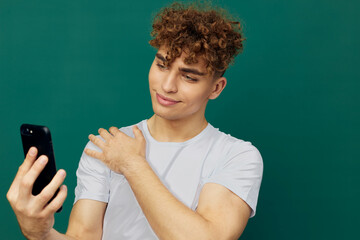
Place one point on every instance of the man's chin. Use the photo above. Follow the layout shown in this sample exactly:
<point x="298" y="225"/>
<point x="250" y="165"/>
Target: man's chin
<point x="166" y="115"/>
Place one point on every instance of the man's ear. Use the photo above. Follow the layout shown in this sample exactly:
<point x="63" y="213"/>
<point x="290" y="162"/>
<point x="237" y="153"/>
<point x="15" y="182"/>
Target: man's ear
<point x="218" y="87"/>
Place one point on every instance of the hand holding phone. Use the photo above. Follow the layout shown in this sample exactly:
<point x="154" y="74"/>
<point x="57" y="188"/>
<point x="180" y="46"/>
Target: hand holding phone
<point x="40" y="137"/>
<point x="35" y="213"/>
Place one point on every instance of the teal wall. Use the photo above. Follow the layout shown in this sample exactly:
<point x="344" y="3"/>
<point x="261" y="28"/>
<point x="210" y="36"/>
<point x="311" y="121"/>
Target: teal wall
<point x="76" y="66"/>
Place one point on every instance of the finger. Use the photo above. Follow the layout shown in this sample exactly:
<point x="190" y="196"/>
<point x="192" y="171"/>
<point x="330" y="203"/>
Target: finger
<point x="30" y="158"/>
<point x="29" y="161"/>
<point x="138" y="133"/>
<point x="28" y="180"/>
<point x="57" y="202"/>
<point x="104" y="134"/>
<point x="94" y="154"/>
<point x="25" y="166"/>
<point x="97" y="141"/>
<point x="48" y="192"/>
<point x="114" y="131"/>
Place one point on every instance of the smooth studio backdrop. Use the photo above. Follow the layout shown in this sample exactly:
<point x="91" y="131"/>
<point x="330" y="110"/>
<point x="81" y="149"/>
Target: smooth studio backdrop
<point x="75" y="66"/>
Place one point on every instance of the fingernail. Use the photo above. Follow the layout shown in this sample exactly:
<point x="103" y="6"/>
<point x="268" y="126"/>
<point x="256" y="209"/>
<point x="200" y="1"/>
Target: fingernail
<point x="62" y="173"/>
<point x="42" y="159"/>
<point x="32" y="151"/>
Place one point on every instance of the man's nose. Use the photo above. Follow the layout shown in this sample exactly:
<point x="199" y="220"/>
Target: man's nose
<point x="169" y="84"/>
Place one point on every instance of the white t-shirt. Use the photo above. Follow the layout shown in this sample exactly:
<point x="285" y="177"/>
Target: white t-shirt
<point x="183" y="167"/>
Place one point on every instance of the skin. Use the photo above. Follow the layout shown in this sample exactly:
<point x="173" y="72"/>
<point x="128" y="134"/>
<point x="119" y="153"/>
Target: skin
<point x="35" y="217"/>
<point x="184" y="120"/>
<point x="220" y="214"/>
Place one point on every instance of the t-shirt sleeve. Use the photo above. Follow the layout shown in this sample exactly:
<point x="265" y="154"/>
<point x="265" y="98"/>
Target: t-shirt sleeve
<point x="93" y="178"/>
<point x="241" y="172"/>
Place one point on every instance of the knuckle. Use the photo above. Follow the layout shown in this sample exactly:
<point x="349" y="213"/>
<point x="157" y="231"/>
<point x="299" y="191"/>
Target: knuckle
<point x="9" y="195"/>
<point x="38" y="166"/>
<point x="45" y="196"/>
<point x="30" y="212"/>
<point x="25" y="183"/>
<point x="43" y="215"/>
<point x="62" y="195"/>
<point x="10" y="198"/>
<point x="93" y="138"/>
<point x="113" y="129"/>
<point x="88" y="151"/>
<point x="21" y="168"/>
<point x="54" y="206"/>
<point x="19" y="208"/>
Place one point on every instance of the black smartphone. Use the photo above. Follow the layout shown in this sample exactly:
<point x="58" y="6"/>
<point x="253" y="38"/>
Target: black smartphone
<point x="40" y="137"/>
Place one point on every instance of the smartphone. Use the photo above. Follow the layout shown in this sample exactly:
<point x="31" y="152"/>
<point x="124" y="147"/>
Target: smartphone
<point x="40" y="137"/>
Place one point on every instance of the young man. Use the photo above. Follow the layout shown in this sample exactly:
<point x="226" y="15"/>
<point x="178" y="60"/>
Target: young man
<point x="173" y="176"/>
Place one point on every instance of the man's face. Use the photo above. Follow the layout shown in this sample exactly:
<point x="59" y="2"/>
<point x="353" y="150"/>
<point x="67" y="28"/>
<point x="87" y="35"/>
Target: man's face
<point x="180" y="91"/>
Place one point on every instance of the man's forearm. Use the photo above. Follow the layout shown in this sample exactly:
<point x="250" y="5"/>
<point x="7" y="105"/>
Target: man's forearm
<point x="169" y="218"/>
<point x="55" y="235"/>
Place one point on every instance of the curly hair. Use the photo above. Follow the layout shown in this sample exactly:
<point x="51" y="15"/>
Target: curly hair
<point x="200" y="30"/>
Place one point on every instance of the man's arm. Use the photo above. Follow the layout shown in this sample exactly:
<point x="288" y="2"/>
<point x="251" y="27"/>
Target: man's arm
<point x="220" y="214"/>
<point x="227" y="211"/>
<point x="86" y="219"/>
<point x="83" y="224"/>
<point x="36" y="216"/>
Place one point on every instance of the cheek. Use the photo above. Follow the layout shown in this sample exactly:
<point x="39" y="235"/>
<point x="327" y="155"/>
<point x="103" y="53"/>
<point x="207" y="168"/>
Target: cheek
<point x="151" y="74"/>
<point x="152" y="78"/>
<point x="196" y="96"/>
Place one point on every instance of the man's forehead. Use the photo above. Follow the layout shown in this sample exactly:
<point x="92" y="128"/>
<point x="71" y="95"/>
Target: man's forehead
<point x="200" y="61"/>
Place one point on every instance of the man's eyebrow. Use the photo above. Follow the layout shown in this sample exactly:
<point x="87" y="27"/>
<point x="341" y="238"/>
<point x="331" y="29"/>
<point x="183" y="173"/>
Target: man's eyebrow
<point x="193" y="71"/>
<point x="183" y="69"/>
<point x="161" y="57"/>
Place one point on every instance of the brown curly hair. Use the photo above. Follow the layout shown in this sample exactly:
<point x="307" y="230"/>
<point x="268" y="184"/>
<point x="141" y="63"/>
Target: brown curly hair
<point x="201" y="30"/>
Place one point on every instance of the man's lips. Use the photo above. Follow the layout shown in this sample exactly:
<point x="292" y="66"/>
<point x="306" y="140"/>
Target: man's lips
<point x="165" y="100"/>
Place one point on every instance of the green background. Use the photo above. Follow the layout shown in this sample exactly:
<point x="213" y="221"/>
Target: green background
<point x="76" y="66"/>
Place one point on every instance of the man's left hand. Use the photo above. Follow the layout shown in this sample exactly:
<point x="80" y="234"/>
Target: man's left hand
<point x="119" y="151"/>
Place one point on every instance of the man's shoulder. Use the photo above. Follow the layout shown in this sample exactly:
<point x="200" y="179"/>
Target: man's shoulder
<point x="128" y="129"/>
<point x="231" y="144"/>
<point x="222" y="137"/>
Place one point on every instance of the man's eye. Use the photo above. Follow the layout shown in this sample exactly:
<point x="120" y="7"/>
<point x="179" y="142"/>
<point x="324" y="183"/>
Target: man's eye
<point x="190" y="78"/>
<point x="161" y="66"/>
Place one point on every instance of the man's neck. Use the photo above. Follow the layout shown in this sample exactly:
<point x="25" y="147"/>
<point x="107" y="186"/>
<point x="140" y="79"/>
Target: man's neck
<point x="164" y="130"/>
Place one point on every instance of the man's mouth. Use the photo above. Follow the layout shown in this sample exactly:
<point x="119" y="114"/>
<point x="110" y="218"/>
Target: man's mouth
<point x="165" y="101"/>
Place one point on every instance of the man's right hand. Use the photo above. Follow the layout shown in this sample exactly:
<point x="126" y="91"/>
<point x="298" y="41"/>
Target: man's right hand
<point x="34" y="213"/>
